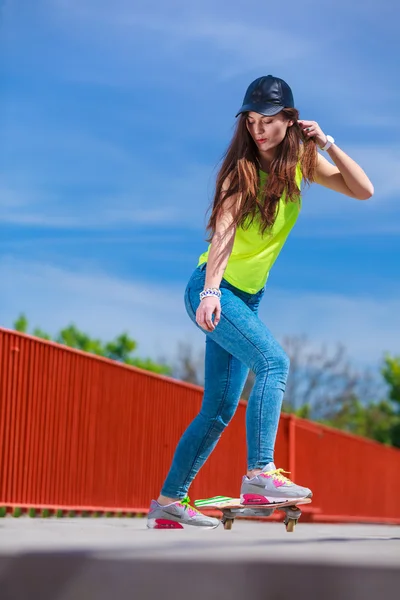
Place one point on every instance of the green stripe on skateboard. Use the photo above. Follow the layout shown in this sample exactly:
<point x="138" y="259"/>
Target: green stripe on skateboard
<point x="212" y="501"/>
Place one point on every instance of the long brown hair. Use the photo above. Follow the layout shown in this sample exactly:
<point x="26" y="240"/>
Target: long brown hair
<point x="241" y="168"/>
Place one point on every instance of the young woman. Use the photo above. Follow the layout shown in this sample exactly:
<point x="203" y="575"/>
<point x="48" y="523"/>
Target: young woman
<point x="257" y="202"/>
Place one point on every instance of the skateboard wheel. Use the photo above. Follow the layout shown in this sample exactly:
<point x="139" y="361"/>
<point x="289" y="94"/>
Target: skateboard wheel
<point x="227" y="523"/>
<point x="290" y="525"/>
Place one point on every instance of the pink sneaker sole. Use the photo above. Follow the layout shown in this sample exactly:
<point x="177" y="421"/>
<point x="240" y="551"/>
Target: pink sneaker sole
<point x="163" y="524"/>
<point x="258" y="500"/>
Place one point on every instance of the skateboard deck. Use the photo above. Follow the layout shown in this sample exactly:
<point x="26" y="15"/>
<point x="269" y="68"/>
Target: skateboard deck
<point x="232" y="507"/>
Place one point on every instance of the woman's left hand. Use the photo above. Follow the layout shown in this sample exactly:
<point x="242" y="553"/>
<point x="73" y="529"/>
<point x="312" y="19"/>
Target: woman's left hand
<point x="312" y="129"/>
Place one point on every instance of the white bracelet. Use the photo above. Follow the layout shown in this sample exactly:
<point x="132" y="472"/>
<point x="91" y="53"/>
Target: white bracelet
<point x="210" y="292"/>
<point x="329" y="142"/>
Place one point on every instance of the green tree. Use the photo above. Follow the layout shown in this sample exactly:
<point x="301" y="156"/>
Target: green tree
<point x="120" y="349"/>
<point x="379" y="420"/>
<point x="74" y="338"/>
<point x="372" y="419"/>
<point x="41" y="334"/>
<point x="391" y="374"/>
<point x="21" y="324"/>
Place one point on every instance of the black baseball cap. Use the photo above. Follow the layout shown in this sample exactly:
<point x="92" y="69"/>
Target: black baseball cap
<point x="267" y="95"/>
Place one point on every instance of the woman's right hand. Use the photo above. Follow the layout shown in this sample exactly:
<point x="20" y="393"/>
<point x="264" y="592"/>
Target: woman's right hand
<point x="208" y="307"/>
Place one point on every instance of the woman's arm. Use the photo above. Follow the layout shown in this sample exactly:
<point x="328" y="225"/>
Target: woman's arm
<point x="221" y="248"/>
<point x="222" y="241"/>
<point x="345" y="176"/>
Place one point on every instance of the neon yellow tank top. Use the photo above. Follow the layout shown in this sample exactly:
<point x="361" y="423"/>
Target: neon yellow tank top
<point x="252" y="254"/>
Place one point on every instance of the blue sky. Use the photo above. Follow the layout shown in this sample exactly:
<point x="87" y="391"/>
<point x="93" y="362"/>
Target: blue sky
<point x="113" y="119"/>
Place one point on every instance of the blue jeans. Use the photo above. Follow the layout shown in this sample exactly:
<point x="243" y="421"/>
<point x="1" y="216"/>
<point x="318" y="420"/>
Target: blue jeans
<point x="239" y="342"/>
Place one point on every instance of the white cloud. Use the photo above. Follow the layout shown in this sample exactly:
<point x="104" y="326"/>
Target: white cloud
<point x="150" y="196"/>
<point x="382" y="165"/>
<point x="104" y="306"/>
<point x="367" y="326"/>
<point x="188" y="34"/>
<point x="102" y="213"/>
<point x="49" y="162"/>
<point x="173" y="202"/>
<point x="326" y="228"/>
<point x="27" y="208"/>
<point x="10" y="200"/>
<point x="326" y="213"/>
<point x="63" y="175"/>
<point x="220" y="38"/>
<point x="101" y="305"/>
<point x="374" y="118"/>
<point x="244" y="37"/>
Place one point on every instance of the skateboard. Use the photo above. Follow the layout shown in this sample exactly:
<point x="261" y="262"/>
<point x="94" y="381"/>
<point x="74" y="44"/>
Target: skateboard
<point x="232" y="507"/>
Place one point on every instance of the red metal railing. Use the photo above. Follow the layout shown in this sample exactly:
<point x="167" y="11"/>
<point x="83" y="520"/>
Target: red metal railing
<point x="79" y="431"/>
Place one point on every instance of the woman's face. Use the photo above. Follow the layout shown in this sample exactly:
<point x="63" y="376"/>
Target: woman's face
<point x="267" y="132"/>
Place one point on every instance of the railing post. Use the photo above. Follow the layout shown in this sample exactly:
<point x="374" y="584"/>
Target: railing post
<point x="292" y="446"/>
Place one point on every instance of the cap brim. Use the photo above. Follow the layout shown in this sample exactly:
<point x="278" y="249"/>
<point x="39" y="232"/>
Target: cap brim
<point x="268" y="110"/>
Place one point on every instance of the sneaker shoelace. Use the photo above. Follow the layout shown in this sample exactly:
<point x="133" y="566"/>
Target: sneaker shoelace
<point x="277" y="474"/>
<point x="192" y="512"/>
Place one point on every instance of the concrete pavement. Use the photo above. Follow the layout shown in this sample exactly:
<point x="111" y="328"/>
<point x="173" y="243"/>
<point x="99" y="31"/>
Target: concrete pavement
<point x="103" y="558"/>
